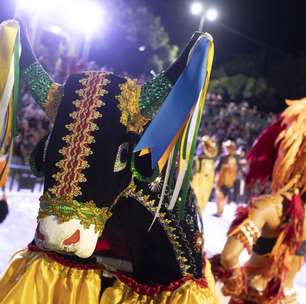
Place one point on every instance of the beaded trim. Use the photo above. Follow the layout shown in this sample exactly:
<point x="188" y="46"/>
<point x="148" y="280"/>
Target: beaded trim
<point x="38" y="81"/>
<point x="167" y="224"/>
<point x="129" y="107"/>
<point x="153" y="94"/>
<point x="247" y="234"/>
<point x="65" y="208"/>
<point x="77" y="147"/>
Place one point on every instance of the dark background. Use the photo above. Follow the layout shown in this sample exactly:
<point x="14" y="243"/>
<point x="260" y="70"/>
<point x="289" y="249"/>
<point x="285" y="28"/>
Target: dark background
<point x="279" y="25"/>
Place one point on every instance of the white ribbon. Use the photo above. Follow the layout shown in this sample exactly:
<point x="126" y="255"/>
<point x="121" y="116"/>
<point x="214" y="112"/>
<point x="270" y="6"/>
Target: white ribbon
<point x="164" y="188"/>
<point x="181" y="176"/>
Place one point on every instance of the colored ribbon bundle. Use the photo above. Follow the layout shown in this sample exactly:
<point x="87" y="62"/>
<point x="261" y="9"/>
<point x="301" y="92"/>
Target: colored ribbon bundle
<point x="172" y="134"/>
<point x="9" y="87"/>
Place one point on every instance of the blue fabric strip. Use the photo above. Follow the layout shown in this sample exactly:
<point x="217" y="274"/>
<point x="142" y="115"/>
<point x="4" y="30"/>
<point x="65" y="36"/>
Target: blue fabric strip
<point x="178" y="104"/>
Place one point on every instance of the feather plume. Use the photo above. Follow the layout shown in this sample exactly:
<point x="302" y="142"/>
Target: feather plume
<point x="291" y="158"/>
<point x="263" y="154"/>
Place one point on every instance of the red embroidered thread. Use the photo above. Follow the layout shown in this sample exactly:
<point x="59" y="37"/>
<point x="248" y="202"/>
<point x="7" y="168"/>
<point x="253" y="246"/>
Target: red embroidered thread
<point x="152" y="290"/>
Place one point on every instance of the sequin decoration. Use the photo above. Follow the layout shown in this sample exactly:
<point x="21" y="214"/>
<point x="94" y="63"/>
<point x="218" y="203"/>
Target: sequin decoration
<point x="77" y="147"/>
<point x="156" y="185"/>
<point x="53" y="101"/>
<point x="169" y="224"/>
<point x="65" y="209"/>
<point x="129" y="107"/>
<point x="121" y="157"/>
<point x="153" y="93"/>
<point x="38" y="81"/>
<point x="198" y="241"/>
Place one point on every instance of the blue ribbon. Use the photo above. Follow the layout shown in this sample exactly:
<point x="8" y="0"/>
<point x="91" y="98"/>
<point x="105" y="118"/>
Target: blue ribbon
<point x="178" y="104"/>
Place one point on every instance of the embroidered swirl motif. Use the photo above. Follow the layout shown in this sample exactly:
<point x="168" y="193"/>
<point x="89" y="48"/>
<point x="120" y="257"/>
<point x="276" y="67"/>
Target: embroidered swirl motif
<point x="167" y="224"/>
<point x="65" y="209"/>
<point x="129" y="106"/>
<point x="78" y="141"/>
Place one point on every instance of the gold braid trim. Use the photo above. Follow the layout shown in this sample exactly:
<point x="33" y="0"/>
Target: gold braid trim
<point x="129" y="106"/>
<point x="65" y="208"/>
<point x="53" y="101"/>
<point x="166" y="223"/>
<point x="77" y="142"/>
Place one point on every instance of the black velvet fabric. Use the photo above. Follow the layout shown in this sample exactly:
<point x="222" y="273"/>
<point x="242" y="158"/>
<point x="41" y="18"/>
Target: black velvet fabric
<point x="37" y="158"/>
<point x="102" y="185"/>
<point x="152" y="255"/>
<point x="3" y="210"/>
<point x="264" y="245"/>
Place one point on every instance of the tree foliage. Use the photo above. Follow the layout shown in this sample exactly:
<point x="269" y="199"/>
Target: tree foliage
<point x="262" y="79"/>
<point x="136" y="42"/>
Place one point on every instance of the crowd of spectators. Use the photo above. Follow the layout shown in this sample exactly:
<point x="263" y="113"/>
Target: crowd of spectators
<point x="223" y="120"/>
<point x="32" y="123"/>
<point x="240" y="123"/>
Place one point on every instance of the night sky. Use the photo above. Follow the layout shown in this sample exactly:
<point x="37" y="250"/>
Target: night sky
<point x="279" y="25"/>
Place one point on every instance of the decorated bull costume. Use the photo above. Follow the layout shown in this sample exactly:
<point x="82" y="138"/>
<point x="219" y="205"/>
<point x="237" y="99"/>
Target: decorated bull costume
<point x="110" y="228"/>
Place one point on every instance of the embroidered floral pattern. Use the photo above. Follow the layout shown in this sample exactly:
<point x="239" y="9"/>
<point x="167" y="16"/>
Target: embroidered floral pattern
<point x="129" y="106"/>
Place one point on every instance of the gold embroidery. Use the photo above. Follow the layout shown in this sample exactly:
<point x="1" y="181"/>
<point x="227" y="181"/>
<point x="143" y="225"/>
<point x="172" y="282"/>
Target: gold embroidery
<point x="66" y="208"/>
<point x="129" y="106"/>
<point x="79" y="139"/>
<point x="53" y="101"/>
<point x="167" y="224"/>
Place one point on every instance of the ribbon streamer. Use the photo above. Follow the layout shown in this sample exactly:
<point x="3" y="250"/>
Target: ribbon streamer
<point x="178" y="104"/>
<point x="9" y="85"/>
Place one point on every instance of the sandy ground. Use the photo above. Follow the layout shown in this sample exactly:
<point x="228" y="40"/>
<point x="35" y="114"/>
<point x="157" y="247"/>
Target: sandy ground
<point x="18" y="229"/>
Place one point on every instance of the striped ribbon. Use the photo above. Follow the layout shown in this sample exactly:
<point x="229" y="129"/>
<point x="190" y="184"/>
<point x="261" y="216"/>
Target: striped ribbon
<point x="178" y="120"/>
<point x="9" y="86"/>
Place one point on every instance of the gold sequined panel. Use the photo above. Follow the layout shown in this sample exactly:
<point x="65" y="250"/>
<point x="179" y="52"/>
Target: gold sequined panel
<point x="129" y="106"/>
<point x="53" y="101"/>
<point x="79" y="139"/>
<point x="168" y="225"/>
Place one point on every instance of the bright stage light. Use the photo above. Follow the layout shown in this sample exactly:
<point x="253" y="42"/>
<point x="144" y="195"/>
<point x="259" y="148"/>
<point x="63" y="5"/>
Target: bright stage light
<point x="79" y="15"/>
<point x="84" y="16"/>
<point x="212" y="14"/>
<point x="38" y="7"/>
<point x="196" y="8"/>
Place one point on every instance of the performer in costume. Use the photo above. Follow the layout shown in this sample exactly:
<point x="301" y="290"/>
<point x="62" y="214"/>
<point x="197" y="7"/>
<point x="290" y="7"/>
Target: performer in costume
<point x="227" y="169"/>
<point x="203" y="179"/>
<point x="106" y="232"/>
<point x="272" y="227"/>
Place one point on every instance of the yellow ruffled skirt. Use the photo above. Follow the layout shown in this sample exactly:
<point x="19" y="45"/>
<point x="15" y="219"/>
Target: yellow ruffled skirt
<point x="34" y="278"/>
<point x="188" y="293"/>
